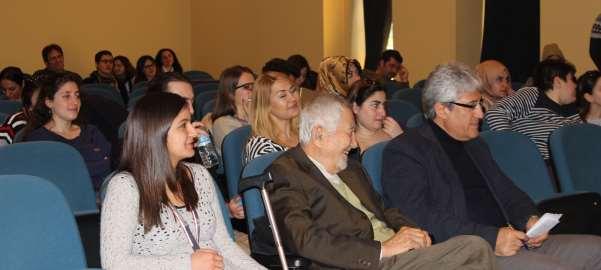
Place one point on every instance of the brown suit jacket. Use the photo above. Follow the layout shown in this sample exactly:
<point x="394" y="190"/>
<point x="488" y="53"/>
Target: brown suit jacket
<point x="317" y="223"/>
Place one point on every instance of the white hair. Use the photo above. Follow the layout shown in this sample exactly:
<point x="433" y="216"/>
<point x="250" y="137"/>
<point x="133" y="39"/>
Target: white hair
<point x="324" y="111"/>
<point x="446" y="83"/>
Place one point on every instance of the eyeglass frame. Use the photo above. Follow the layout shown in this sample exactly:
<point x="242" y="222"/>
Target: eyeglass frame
<point x="247" y="86"/>
<point x="469" y="106"/>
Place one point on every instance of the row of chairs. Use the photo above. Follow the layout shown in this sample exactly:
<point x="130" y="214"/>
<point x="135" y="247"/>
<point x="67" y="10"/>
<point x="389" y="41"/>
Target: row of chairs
<point x="61" y="165"/>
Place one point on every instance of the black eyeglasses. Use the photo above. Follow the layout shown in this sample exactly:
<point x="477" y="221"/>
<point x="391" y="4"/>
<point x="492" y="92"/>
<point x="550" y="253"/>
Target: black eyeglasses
<point x="472" y="105"/>
<point x="247" y="86"/>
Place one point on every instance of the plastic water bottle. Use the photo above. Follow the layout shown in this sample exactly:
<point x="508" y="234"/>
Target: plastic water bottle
<point x="206" y="151"/>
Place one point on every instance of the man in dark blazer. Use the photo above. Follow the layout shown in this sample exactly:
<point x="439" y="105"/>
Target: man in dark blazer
<point x="444" y="177"/>
<point x="328" y="212"/>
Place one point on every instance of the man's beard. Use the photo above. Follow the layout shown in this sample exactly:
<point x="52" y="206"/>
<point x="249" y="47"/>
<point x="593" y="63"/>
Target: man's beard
<point x="342" y="163"/>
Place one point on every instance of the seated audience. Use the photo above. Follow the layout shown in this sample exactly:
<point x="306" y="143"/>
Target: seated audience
<point x="124" y="73"/>
<point x="538" y="111"/>
<point x="146" y="69"/>
<point x="167" y="61"/>
<point x="11" y="81"/>
<point x="160" y="212"/>
<point x="329" y="213"/>
<point x="336" y="74"/>
<point x="104" y="70"/>
<point x="56" y="118"/>
<point x="589" y="97"/>
<point x="274" y="120"/>
<point x="368" y="101"/>
<point x="390" y="68"/>
<point x="496" y="82"/>
<point x="178" y="84"/>
<point x="16" y="122"/>
<point x="53" y="59"/>
<point x="308" y="77"/>
<point x="443" y="176"/>
<point x="232" y="107"/>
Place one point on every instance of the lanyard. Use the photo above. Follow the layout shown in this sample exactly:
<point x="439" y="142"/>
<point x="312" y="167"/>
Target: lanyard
<point x="193" y="241"/>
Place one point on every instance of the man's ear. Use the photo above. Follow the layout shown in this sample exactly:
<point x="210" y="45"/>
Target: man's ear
<point x="317" y="135"/>
<point x="441" y="110"/>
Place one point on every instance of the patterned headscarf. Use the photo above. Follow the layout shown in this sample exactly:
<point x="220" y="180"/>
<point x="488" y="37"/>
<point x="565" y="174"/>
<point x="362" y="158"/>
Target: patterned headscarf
<point x="332" y="75"/>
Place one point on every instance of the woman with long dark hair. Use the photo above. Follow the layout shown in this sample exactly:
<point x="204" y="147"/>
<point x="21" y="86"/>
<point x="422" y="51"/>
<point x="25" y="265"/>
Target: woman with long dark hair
<point x="56" y="117"/>
<point x="124" y="73"/>
<point x="167" y="61"/>
<point x="146" y="69"/>
<point x="160" y="212"/>
<point x="17" y="121"/>
<point x="589" y="97"/>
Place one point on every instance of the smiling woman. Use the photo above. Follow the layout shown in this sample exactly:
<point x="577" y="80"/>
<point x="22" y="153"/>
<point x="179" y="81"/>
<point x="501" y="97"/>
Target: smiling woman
<point x="56" y="118"/>
<point x="274" y="116"/>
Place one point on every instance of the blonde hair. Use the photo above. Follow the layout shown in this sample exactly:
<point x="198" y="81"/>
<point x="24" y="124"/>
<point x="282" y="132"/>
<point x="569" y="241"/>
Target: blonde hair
<point x="261" y="123"/>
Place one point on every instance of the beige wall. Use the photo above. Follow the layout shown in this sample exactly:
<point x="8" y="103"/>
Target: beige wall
<point x="569" y="25"/>
<point x="132" y="28"/>
<point x="427" y="36"/>
<point x="226" y="33"/>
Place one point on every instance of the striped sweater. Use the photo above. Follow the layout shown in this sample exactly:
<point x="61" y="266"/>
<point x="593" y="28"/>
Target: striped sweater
<point x="533" y="114"/>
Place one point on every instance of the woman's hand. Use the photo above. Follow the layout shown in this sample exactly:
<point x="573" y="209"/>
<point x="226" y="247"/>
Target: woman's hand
<point x="235" y="207"/>
<point x="391" y="127"/>
<point x="206" y="259"/>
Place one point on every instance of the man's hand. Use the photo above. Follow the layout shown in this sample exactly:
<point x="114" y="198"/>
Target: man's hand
<point x="405" y="239"/>
<point x="509" y="241"/>
<point x="535" y="241"/>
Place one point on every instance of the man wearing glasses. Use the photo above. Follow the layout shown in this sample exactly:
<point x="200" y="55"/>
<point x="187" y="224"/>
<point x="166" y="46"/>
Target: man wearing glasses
<point x="104" y="69"/>
<point x="443" y="177"/>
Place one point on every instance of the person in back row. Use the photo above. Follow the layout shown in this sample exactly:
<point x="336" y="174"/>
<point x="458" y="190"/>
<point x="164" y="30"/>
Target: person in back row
<point x="496" y="82"/>
<point x="537" y="111"/>
<point x="443" y="176"/>
<point x="328" y="212"/>
<point x="104" y="70"/>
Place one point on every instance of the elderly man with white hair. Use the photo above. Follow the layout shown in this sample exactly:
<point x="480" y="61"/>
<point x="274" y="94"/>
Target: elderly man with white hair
<point x="443" y="176"/>
<point x="328" y="212"/>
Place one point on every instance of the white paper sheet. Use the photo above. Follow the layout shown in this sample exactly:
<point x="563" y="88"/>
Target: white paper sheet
<point x="544" y="224"/>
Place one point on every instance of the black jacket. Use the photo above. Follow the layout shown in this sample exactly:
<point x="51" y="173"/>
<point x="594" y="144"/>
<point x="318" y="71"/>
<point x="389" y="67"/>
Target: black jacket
<point x="418" y="177"/>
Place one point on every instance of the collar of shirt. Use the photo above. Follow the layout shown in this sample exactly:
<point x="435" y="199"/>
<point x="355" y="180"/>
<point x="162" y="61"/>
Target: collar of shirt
<point x="333" y="178"/>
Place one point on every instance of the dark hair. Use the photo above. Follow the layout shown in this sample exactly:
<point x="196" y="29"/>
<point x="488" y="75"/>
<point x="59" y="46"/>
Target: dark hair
<point x="281" y="65"/>
<point x="29" y="87"/>
<point x="586" y="83"/>
<point x="13" y="74"/>
<point x="177" y="67"/>
<point x="162" y="80"/>
<point x="228" y="80"/>
<point x="357" y="65"/>
<point x="387" y="54"/>
<point x="299" y="61"/>
<point x="48" y="88"/>
<point x="547" y="70"/>
<point x="129" y="69"/>
<point x="49" y="48"/>
<point x="361" y="90"/>
<point x="140" y="77"/>
<point x="100" y="54"/>
<point x="146" y="157"/>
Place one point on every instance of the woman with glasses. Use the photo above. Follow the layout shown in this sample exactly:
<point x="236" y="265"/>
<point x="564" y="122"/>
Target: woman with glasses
<point x="368" y="101"/>
<point x="589" y="97"/>
<point x="336" y="74"/>
<point x="232" y="106"/>
<point x="146" y="69"/>
<point x="275" y="109"/>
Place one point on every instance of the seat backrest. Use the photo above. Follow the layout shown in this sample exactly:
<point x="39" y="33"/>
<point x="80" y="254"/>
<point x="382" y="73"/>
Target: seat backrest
<point x="519" y="159"/>
<point x="232" y="150"/>
<point x="253" y="204"/>
<point x="416" y="120"/>
<point x="10" y="106"/>
<point x="392" y="87"/>
<point x="400" y="110"/>
<point x="420" y="84"/>
<point x="57" y="162"/>
<point x="411" y="95"/>
<point x="372" y="162"/>
<point x="205" y="86"/>
<point x="575" y="151"/>
<point x="3" y="117"/>
<point x="38" y="230"/>
<point x="103" y="90"/>
<point x="197" y="75"/>
<point x="208" y="107"/>
<point x="200" y="99"/>
<point x="225" y="212"/>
